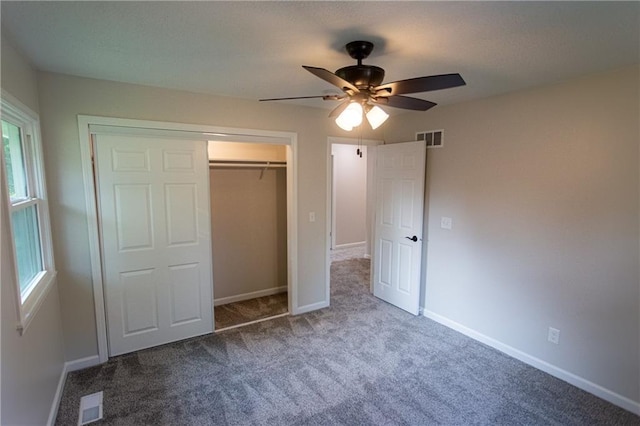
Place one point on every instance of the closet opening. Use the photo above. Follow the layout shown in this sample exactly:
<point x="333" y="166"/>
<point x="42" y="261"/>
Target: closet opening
<point x="248" y="195"/>
<point x="186" y="299"/>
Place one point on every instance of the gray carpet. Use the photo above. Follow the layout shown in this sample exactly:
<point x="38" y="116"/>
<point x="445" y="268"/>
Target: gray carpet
<point x="246" y="311"/>
<point x="340" y="254"/>
<point x="359" y="362"/>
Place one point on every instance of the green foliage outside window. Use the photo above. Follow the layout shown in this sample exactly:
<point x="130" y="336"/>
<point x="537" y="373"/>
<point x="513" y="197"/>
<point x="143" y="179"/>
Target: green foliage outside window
<point x="14" y="161"/>
<point x="24" y="220"/>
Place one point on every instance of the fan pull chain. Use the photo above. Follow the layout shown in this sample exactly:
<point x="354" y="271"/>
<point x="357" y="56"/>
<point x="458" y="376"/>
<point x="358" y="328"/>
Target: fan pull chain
<point x="359" y="150"/>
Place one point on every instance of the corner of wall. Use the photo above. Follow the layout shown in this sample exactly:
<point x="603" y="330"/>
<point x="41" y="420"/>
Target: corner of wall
<point x="37" y="356"/>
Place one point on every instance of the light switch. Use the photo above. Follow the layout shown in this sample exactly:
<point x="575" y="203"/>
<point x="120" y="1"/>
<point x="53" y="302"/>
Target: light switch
<point x="312" y="216"/>
<point x="446" y="222"/>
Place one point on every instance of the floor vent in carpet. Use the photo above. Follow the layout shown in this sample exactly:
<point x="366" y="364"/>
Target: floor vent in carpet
<point x="90" y="408"/>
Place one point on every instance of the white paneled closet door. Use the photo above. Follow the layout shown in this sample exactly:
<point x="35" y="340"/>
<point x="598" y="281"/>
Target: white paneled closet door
<point x="153" y="197"/>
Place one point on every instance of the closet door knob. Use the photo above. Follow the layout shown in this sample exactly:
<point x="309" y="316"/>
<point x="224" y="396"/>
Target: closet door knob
<point x="414" y="238"/>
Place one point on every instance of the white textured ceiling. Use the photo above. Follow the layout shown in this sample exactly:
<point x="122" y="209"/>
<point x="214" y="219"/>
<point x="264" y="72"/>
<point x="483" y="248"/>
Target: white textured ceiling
<point x="255" y="50"/>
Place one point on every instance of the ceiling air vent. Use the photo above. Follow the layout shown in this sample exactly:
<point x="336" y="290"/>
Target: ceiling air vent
<point x="434" y="138"/>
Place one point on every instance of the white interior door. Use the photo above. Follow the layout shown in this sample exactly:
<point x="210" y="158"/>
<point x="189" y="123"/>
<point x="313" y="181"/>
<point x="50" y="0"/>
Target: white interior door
<point x="398" y="224"/>
<point x="153" y="198"/>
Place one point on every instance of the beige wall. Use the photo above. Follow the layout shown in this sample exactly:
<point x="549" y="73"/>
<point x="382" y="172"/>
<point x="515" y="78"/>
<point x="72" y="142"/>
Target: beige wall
<point x="249" y="230"/>
<point x="62" y="98"/>
<point x="350" y="194"/>
<point x="543" y="189"/>
<point x="32" y="363"/>
<point x="18" y="77"/>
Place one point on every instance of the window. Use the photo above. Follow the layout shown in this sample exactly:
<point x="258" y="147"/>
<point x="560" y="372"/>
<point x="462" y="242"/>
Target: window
<point x="23" y="181"/>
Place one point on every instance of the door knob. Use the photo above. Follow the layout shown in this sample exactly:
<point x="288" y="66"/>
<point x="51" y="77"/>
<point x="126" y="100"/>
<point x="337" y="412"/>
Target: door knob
<point x="414" y="238"/>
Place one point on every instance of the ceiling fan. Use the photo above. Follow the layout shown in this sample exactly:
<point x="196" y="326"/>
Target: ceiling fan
<point x="363" y="91"/>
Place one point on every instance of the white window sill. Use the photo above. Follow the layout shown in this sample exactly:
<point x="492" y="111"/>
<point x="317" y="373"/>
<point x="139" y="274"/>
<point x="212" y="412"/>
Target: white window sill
<point x="34" y="300"/>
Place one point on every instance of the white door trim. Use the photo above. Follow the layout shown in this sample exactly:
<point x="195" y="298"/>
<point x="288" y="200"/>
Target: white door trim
<point x="330" y="213"/>
<point x="248" y="135"/>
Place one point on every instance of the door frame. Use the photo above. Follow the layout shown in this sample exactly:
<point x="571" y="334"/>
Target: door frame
<point x="371" y="159"/>
<point x="85" y="123"/>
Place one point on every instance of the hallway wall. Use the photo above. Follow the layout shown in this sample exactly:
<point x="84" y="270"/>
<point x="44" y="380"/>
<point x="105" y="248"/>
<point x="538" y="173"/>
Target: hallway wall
<point x="350" y="194"/>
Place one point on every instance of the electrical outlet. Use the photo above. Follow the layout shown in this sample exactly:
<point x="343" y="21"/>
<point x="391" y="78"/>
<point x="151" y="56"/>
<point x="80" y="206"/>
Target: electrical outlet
<point x="446" y="222"/>
<point x="554" y="335"/>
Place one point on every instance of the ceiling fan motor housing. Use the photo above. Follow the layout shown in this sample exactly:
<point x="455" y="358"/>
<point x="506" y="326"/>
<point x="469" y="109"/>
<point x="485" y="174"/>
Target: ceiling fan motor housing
<point x="363" y="77"/>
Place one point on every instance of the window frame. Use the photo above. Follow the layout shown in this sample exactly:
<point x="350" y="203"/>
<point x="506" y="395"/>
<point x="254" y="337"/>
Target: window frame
<point x="29" y="301"/>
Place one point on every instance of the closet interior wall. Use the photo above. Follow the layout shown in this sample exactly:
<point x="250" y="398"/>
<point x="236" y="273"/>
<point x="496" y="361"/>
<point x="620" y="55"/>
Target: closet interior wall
<point x="248" y="220"/>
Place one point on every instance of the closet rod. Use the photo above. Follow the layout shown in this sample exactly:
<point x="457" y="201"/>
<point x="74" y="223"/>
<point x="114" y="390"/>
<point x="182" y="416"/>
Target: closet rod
<point x="258" y="164"/>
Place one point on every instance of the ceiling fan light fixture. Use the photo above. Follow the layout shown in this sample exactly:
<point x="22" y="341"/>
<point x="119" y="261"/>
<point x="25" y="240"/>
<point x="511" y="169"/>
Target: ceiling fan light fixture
<point x="351" y="117"/>
<point x="376" y="116"/>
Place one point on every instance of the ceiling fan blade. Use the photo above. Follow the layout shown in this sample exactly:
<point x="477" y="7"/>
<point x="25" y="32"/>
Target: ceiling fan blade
<point x="325" y="97"/>
<point x="330" y="77"/>
<point x="420" y="84"/>
<point x="404" y="102"/>
<point x="337" y="110"/>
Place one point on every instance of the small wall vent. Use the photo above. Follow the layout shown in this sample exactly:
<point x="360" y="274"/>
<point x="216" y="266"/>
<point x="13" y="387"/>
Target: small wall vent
<point x="434" y="138"/>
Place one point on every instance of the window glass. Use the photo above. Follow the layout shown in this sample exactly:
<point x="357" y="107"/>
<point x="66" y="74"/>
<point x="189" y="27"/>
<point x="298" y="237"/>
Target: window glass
<point x="27" y="240"/>
<point x="14" y="161"/>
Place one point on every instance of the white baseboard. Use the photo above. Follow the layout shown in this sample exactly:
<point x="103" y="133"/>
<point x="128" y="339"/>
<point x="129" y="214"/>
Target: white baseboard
<point x="68" y="367"/>
<point x="55" y="404"/>
<point x="82" y="363"/>
<point x="308" y="308"/>
<point x="349" y="245"/>
<point x="582" y="383"/>
<point x="248" y="296"/>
